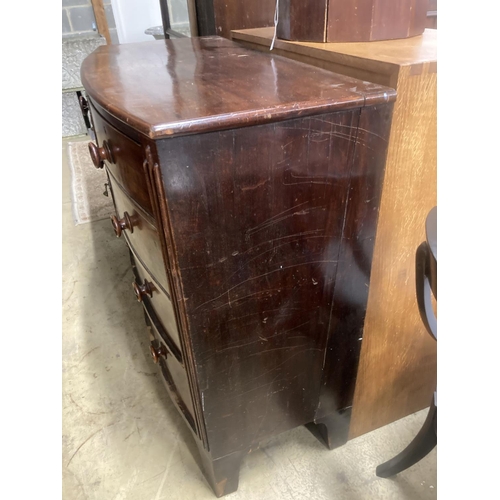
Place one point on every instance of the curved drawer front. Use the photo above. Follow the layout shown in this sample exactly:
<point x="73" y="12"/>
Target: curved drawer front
<point x="127" y="160"/>
<point x="158" y="300"/>
<point x="175" y="379"/>
<point x="143" y="238"/>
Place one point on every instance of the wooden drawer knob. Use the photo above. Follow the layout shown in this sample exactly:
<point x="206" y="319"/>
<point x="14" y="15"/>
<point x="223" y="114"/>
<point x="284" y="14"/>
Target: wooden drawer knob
<point x="126" y="222"/>
<point x="147" y="288"/>
<point x="157" y="352"/>
<point x="98" y="155"/>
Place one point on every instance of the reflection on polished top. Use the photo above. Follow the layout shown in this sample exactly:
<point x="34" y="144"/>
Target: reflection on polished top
<point x="186" y="86"/>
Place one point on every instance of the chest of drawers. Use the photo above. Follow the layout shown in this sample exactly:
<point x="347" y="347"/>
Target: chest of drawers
<point x="247" y="188"/>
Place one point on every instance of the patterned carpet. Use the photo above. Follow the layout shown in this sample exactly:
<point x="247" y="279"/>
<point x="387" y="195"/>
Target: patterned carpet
<point x="87" y="186"/>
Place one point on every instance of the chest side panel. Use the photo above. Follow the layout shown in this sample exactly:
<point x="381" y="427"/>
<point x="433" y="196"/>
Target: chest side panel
<point x="353" y="276"/>
<point x="257" y="217"/>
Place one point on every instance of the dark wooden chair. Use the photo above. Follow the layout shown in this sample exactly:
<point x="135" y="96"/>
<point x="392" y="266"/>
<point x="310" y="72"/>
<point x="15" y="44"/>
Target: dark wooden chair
<point x="426" y="283"/>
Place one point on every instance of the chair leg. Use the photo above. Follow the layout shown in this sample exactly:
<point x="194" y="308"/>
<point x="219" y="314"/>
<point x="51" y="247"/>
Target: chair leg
<point x="423" y="443"/>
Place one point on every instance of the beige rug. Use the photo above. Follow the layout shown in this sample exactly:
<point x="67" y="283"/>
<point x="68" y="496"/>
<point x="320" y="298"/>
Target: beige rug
<point x="87" y="186"/>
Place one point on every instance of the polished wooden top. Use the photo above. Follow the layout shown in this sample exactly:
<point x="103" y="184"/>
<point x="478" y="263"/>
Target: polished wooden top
<point x="403" y="52"/>
<point x="192" y="85"/>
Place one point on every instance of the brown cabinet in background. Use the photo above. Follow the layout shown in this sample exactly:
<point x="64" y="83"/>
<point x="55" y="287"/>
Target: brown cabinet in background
<point x="261" y="179"/>
<point x="350" y="21"/>
<point x="219" y="17"/>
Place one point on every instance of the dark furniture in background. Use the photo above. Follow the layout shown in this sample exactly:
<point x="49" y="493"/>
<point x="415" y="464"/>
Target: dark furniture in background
<point x="351" y="21"/>
<point x="219" y="17"/>
<point x="426" y="284"/>
<point x="247" y="187"/>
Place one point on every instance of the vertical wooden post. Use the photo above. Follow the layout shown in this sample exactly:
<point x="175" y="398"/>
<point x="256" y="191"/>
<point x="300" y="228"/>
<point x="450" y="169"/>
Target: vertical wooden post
<point x="100" y="17"/>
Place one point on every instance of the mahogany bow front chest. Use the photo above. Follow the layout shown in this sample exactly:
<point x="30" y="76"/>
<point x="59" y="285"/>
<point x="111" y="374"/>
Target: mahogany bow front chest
<point x="247" y="188"/>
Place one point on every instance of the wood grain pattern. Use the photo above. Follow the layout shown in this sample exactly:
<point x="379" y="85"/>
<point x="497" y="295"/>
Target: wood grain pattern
<point x="219" y="17"/>
<point x="187" y="87"/>
<point x="397" y="369"/>
<point x="292" y="14"/>
<point x="352" y="21"/>
<point x="265" y="193"/>
<point x="242" y="14"/>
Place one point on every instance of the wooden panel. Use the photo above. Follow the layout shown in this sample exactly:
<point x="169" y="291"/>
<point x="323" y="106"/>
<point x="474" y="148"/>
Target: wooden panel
<point x="418" y="21"/>
<point x="370" y="20"/>
<point x="392" y="17"/>
<point x="144" y="238"/>
<point x="383" y="57"/>
<point x="349" y="21"/>
<point x="292" y="14"/>
<point x="175" y="378"/>
<point x="258" y="284"/>
<point x="128" y="157"/>
<point x="160" y="302"/>
<point x="397" y="371"/>
<point x="352" y="281"/>
<point x="355" y="72"/>
<point x="242" y="14"/>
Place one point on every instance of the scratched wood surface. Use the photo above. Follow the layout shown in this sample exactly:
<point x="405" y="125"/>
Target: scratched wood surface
<point x="397" y="369"/>
<point x="264" y="179"/>
<point x="187" y="87"/>
<point x="258" y="241"/>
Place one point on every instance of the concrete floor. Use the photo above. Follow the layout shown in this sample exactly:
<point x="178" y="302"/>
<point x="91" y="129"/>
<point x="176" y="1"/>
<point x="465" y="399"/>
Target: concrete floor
<point x="123" y="438"/>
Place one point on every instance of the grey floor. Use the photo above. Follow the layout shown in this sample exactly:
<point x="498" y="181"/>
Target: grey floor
<point x="123" y="439"/>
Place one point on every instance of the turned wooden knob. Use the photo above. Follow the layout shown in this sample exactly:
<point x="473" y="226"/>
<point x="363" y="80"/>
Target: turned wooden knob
<point x="126" y="222"/>
<point x="147" y="288"/>
<point x="157" y="352"/>
<point x="98" y="155"/>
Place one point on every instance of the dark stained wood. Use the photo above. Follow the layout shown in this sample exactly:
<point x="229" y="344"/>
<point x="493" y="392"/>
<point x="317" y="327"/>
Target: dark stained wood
<point x="292" y="16"/>
<point x="196" y="77"/>
<point x="173" y="375"/>
<point x="264" y="178"/>
<point x="125" y="154"/>
<point x="353" y="277"/>
<point x="205" y="17"/>
<point x="219" y="17"/>
<point x="223" y="473"/>
<point x="147" y="289"/>
<point x="397" y="370"/>
<point x="352" y="21"/>
<point x="143" y="238"/>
